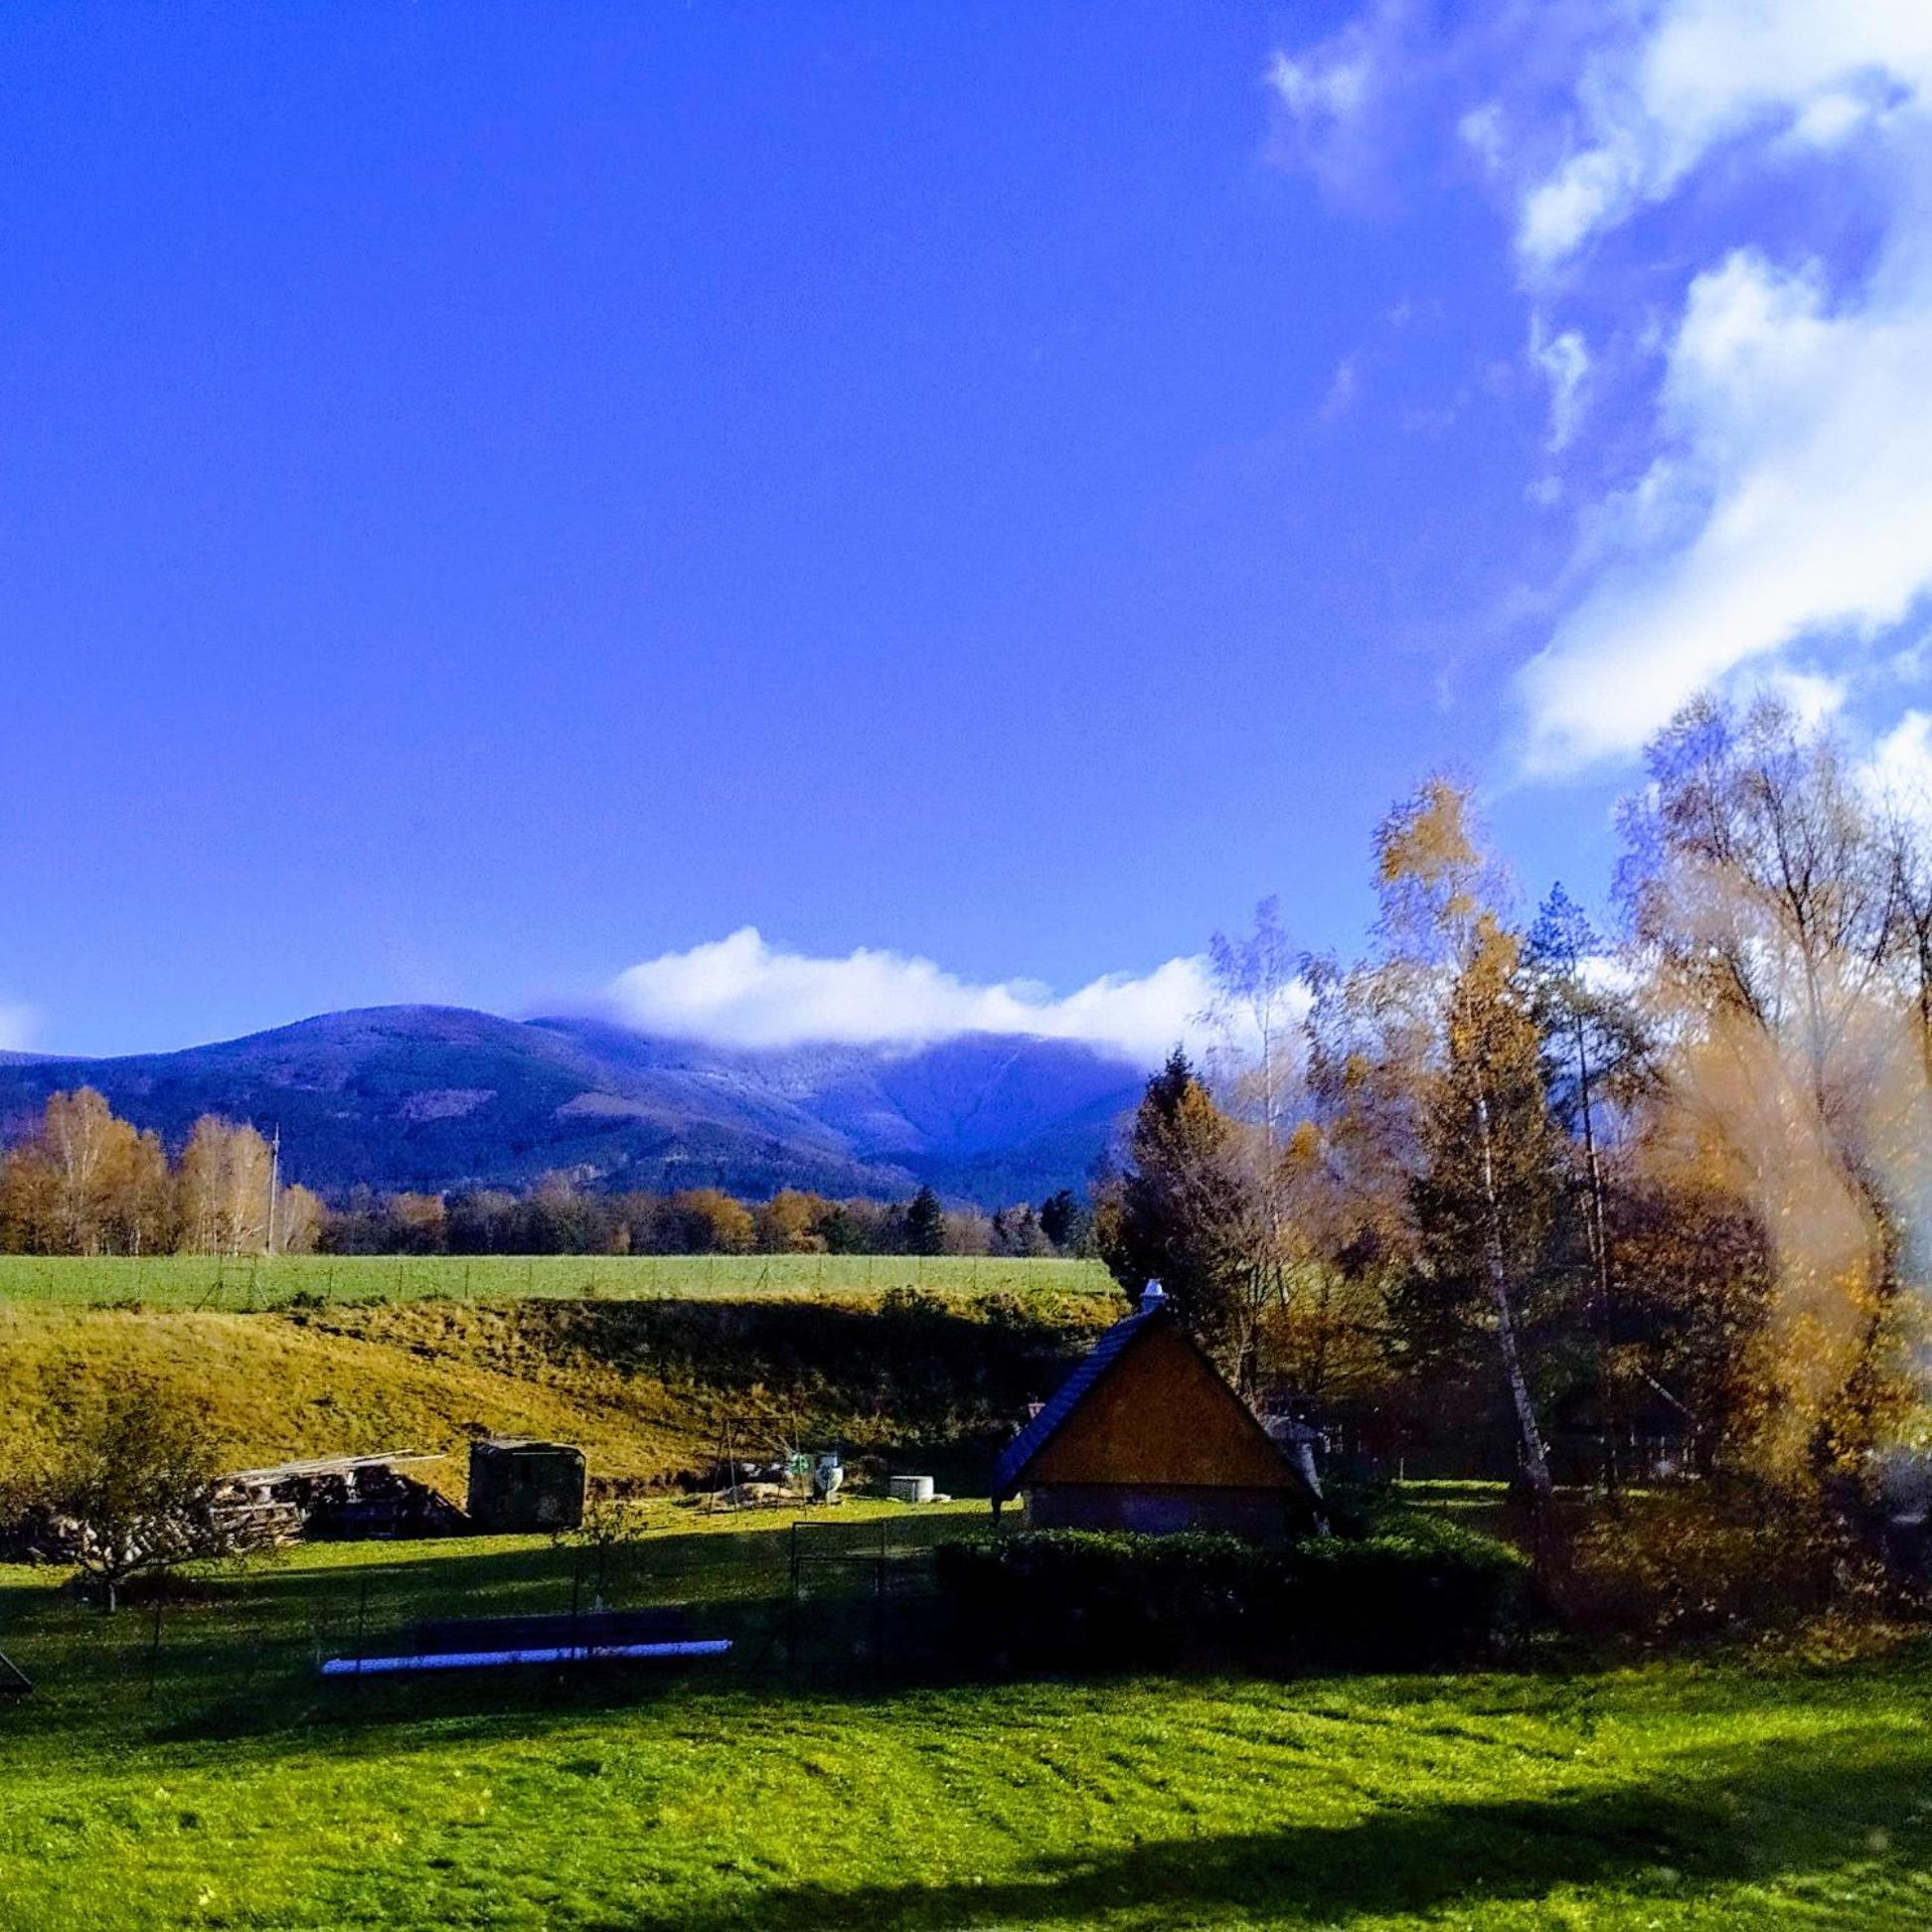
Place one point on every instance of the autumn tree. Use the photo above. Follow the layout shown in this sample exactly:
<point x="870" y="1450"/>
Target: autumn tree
<point x="222" y="1188"/>
<point x="788" y="1223"/>
<point x="85" y="1182"/>
<point x="1426" y="1092"/>
<point x="705" y="1221"/>
<point x="1772" y="918"/>
<point x="1489" y="1191"/>
<point x="137" y="1479"/>
<point x="1326" y="1340"/>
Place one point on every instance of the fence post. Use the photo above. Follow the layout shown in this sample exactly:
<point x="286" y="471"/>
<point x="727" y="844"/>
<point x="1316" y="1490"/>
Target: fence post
<point x="791" y="1614"/>
<point x="154" y="1643"/>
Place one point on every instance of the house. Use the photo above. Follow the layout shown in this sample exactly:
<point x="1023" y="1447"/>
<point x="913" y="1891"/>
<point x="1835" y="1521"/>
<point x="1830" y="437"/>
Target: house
<point x="1147" y="1435"/>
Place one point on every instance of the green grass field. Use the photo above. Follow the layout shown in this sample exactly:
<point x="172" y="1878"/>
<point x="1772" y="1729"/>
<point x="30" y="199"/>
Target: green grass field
<point x="214" y="1782"/>
<point x="245" y="1282"/>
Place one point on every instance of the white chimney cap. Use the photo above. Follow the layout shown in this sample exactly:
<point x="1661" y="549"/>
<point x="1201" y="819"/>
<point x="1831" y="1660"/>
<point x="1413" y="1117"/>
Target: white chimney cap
<point x="1153" y="1296"/>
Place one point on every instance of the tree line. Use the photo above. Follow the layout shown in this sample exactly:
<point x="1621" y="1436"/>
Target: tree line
<point x="85" y="1182"/>
<point x="557" y="1216"/>
<point x="1522" y="1174"/>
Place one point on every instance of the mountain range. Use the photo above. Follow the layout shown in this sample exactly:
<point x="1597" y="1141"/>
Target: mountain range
<point x="446" y="1098"/>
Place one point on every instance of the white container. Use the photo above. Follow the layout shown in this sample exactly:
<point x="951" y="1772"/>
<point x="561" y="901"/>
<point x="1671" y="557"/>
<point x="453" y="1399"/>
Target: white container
<point x="911" y="1489"/>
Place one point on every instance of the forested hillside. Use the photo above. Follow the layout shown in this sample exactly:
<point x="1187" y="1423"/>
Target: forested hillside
<point x="440" y="1098"/>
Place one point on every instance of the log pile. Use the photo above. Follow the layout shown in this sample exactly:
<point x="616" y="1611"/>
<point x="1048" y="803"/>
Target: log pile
<point x="338" y="1498"/>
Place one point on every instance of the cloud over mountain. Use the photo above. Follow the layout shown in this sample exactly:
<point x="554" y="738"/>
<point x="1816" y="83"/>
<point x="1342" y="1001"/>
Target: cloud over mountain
<point x="742" y="991"/>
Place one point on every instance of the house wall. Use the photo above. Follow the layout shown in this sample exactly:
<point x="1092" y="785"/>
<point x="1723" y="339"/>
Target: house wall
<point x="1162" y="1509"/>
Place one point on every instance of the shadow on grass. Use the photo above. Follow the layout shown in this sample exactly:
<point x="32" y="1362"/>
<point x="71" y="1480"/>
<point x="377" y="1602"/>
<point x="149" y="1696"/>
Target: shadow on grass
<point x="1713" y="1821"/>
<point x="244" y="1665"/>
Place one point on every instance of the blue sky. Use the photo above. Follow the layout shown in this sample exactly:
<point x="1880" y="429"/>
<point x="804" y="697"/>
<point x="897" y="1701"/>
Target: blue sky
<point x="495" y="498"/>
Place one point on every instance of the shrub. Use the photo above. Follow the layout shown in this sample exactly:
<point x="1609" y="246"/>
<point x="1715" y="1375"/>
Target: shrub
<point x="1712" y="1561"/>
<point x="1418" y="1593"/>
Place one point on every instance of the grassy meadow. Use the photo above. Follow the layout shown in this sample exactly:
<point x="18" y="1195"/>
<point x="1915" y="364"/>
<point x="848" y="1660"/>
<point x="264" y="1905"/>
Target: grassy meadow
<point x="210" y="1779"/>
<point x="247" y="1283"/>
<point x="642" y="1383"/>
<point x="192" y="1770"/>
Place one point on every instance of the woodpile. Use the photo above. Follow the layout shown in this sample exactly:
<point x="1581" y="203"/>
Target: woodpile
<point x="337" y="1498"/>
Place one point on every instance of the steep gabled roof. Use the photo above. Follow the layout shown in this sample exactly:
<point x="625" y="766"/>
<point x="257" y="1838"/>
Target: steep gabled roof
<point x="1204" y="1453"/>
<point x="1067" y="1399"/>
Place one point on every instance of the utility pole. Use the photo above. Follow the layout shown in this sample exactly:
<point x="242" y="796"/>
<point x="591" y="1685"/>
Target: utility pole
<point x="274" y="1186"/>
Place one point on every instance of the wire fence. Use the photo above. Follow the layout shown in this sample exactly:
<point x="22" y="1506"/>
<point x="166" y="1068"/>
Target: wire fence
<point x="224" y="1653"/>
<point x="251" y="1282"/>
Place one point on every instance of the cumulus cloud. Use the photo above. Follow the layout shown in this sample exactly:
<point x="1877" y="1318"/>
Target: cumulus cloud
<point x="1788" y="488"/>
<point x="16" y="1027"/>
<point x="741" y="991"/>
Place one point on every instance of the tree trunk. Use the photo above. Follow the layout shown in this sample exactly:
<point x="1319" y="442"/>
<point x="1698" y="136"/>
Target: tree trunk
<point x="1535" y="1463"/>
<point x="1600" y="1258"/>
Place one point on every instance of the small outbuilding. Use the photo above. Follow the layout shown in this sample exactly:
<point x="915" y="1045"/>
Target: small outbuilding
<point x="518" y="1485"/>
<point x="1145" y="1434"/>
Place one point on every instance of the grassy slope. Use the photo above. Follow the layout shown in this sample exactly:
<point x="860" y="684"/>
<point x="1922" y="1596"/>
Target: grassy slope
<point x="641" y="1385"/>
<point x="226" y="1789"/>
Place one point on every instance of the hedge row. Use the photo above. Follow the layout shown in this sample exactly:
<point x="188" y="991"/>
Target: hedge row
<point x="1420" y="1594"/>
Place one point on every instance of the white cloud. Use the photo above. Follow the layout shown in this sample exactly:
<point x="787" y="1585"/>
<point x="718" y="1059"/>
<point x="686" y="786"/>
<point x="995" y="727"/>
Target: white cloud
<point x="1899" y="772"/>
<point x="1481" y="131"/>
<point x="1327" y="90"/>
<point x="1565" y="361"/>
<point x="1793" y="496"/>
<point x="1787" y="498"/>
<point x="1341" y="389"/>
<point x="1707" y="72"/>
<point x="1813" y="699"/>
<point x="1333" y="98"/>
<point x="740" y="991"/>
<point x="16" y="1027"/>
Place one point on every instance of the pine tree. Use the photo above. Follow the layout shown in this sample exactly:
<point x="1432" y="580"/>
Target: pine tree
<point x="926" y="1224"/>
<point x="1184" y="1212"/>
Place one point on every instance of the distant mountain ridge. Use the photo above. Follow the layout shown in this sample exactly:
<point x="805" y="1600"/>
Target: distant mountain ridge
<point x="446" y="1097"/>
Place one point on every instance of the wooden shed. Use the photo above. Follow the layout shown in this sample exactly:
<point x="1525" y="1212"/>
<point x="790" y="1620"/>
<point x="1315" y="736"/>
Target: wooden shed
<point x="1147" y="1435"/>
<point x="518" y="1485"/>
